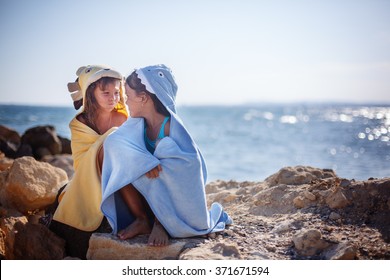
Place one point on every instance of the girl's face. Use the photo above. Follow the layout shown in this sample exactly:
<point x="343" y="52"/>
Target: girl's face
<point x="108" y="97"/>
<point x="134" y="102"/>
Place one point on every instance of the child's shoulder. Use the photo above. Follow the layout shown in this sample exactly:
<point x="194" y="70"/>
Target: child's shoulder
<point x="118" y="118"/>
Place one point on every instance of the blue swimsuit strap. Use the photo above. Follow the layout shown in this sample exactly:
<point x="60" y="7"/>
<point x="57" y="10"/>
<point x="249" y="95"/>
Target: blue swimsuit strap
<point x="160" y="135"/>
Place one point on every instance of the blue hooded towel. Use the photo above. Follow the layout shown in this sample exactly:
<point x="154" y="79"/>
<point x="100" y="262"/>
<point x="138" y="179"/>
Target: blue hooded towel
<point x="177" y="197"/>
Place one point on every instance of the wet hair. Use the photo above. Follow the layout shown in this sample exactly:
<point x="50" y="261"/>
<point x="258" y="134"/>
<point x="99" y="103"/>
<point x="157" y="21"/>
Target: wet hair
<point x="135" y="83"/>
<point x="91" y="105"/>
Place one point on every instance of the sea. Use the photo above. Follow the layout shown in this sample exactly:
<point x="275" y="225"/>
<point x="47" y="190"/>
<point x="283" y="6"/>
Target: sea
<point x="251" y="142"/>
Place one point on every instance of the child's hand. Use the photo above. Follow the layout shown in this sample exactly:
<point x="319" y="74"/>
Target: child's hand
<point x="152" y="174"/>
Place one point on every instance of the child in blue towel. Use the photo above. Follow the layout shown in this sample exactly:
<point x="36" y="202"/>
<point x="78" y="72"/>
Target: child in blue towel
<point x="152" y="161"/>
<point x="143" y="104"/>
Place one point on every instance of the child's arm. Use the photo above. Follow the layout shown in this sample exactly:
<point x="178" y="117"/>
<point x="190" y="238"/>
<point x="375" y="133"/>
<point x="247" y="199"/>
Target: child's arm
<point x="154" y="173"/>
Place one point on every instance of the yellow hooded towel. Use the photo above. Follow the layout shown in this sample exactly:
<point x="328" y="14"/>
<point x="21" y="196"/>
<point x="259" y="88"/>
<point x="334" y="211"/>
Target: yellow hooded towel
<point x="79" y="205"/>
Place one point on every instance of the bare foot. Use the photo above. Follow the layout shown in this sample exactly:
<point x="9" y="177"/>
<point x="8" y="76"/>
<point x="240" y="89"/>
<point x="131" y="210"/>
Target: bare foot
<point x="158" y="236"/>
<point x="139" y="226"/>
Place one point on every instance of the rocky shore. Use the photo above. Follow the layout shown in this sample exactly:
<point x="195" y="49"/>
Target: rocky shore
<point x="299" y="212"/>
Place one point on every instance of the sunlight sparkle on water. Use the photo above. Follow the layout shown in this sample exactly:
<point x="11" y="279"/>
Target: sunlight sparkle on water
<point x="288" y="119"/>
<point x="379" y="118"/>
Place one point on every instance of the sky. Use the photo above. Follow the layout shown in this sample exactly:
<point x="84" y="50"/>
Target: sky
<point x="221" y="52"/>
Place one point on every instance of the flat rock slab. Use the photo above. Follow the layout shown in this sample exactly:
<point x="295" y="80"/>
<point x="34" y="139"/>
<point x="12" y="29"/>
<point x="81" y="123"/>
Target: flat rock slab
<point x="105" y="246"/>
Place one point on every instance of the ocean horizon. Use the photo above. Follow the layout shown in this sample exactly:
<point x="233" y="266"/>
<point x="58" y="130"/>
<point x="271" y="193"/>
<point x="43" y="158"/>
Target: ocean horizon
<point x="250" y="142"/>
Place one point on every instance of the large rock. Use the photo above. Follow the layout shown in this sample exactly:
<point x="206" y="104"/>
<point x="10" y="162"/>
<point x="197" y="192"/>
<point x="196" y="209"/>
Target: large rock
<point x="309" y="242"/>
<point x="8" y="219"/>
<point x="10" y="135"/>
<point x="336" y="199"/>
<point x="37" y="242"/>
<point x="342" y="251"/>
<point x="63" y="161"/>
<point x="43" y="140"/>
<point x="105" y="246"/>
<point x="66" y="145"/>
<point x="274" y="200"/>
<point x="5" y="162"/>
<point x="9" y="141"/>
<point x="298" y="175"/>
<point x="31" y="185"/>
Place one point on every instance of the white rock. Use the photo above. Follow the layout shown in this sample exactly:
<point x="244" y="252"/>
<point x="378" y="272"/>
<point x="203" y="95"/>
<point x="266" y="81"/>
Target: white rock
<point x="31" y="184"/>
<point x="104" y="246"/>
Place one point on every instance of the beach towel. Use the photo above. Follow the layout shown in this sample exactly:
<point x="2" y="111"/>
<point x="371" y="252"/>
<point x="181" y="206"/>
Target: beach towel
<point x="177" y="197"/>
<point x="80" y="201"/>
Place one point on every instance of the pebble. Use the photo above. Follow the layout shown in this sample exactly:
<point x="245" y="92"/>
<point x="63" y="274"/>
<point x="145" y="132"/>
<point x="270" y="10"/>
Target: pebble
<point x="334" y="216"/>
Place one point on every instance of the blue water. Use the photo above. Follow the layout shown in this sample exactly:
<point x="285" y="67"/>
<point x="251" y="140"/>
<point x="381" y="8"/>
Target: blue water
<point x="253" y="142"/>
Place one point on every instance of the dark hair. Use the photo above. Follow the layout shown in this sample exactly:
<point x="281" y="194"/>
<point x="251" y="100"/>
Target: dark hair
<point x="135" y="83"/>
<point x="91" y="106"/>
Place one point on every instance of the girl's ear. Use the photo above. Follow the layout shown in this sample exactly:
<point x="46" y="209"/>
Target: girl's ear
<point x="144" y="97"/>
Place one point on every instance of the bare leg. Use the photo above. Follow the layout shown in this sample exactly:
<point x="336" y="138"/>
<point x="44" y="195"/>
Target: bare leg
<point x="134" y="201"/>
<point x="158" y="236"/>
<point x="99" y="160"/>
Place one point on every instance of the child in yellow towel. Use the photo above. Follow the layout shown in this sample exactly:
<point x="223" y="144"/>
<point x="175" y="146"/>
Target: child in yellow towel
<point x="99" y="90"/>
